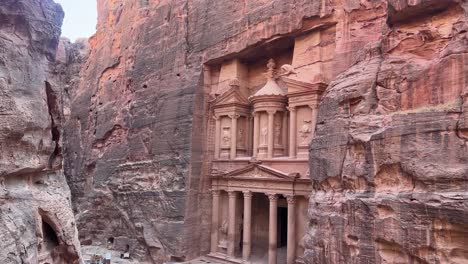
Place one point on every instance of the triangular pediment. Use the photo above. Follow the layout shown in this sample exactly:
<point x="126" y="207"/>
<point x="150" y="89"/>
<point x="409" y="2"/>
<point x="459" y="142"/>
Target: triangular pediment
<point x="230" y="97"/>
<point x="297" y="86"/>
<point x="258" y="171"/>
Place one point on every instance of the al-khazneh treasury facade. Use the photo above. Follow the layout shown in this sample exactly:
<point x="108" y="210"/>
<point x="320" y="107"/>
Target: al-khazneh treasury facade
<point x="263" y="114"/>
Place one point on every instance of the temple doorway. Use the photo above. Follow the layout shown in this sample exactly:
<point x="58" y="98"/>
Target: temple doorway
<point x="282" y="227"/>
<point x="282" y="231"/>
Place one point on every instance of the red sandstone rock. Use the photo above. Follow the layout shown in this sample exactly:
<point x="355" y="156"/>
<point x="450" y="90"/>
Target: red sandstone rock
<point x="36" y="221"/>
<point x="388" y="162"/>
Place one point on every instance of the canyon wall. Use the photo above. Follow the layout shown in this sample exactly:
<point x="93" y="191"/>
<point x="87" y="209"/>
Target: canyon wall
<point x="389" y="159"/>
<point x="134" y="161"/>
<point x="36" y="220"/>
<point x="388" y="162"/>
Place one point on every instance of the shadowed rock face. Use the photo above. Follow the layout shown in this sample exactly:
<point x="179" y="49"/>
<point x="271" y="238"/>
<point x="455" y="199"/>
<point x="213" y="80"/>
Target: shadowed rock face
<point x="36" y="220"/>
<point x="389" y="160"/>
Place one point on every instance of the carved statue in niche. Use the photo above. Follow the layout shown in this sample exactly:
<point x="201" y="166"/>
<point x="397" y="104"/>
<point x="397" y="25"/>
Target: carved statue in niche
<point x="224" y="232"/>
<point x="226" y="137"/>
<point x="240" y="137"/>
<point x="277" y="132"/>
<point x="305" y="131"/>
<point x="264" y="136"/>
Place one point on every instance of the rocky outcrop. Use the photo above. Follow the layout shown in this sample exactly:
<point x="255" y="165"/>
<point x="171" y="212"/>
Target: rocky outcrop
<point x="389" y="160"/>
<point x="36" y="220"/>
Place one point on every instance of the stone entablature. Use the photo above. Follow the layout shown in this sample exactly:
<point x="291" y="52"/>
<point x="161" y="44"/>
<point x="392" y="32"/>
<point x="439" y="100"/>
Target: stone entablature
<point x="262" y="179"/>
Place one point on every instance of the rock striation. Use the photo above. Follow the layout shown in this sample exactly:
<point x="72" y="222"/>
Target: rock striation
<point x="36" y="220"/>
<point x="136" y="160"/>
<point x="388" y="162"/>
<point x="389" y="159"/>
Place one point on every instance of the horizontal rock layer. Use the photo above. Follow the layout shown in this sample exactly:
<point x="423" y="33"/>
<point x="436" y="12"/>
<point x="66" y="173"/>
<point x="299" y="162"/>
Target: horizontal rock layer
<point x="389" y="160"/>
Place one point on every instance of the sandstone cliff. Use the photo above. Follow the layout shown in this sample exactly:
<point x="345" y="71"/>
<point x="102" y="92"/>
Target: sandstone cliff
<point x="135" y="162"/>
<point x="389" y="160"/>
<point x="36" y="220"/>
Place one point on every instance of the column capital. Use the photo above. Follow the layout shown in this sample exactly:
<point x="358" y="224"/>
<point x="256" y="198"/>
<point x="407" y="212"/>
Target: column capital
<point x="234" y="116"/>
<point x="313" y="106"/>
<point x="291" y="108"/>
<point x="271" y="112"/>
<point x="291" y="199"/>
<point x="273" y="197"/>
<point x="215" y="192"/>
<point x="247" y="194"/>
<point x="232" y="194"/>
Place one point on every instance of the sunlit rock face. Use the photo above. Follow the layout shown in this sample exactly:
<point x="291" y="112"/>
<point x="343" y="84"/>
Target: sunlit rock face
<point x="36" y="220"/>
<point x="389" y="159"/>
<point x="135" y="158"/>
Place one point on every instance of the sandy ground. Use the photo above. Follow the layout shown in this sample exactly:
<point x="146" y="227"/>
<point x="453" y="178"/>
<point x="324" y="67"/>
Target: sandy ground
<point x="89" y="251"/>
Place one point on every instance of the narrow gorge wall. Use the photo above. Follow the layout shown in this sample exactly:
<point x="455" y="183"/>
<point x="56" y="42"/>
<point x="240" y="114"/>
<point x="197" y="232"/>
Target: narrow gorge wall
<point x="36" y="221"/>
<point x="389" y="160"/>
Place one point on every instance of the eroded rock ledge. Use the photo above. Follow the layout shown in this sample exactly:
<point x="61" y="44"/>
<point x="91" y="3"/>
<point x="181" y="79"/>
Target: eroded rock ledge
<point x="36" y="220"/>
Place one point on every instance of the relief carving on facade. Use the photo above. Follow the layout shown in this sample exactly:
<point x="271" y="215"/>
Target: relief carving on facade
<point x="305" y="131"/>
<point x="240" y="137"/>
<point x="277" y="132"/>
<point x="226" y="136"/>
<point x="264" y="136"/>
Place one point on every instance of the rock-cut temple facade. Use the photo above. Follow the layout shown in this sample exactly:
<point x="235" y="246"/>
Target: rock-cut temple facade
<point x="263" y="114"/>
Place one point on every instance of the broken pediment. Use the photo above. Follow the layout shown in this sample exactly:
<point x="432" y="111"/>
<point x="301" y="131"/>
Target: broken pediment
<point x="258" y="171"/>
<point x="231" y="97"/>
<point x="300" y="87"/>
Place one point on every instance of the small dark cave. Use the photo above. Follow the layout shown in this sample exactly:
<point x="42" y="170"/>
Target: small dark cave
<point x="50" y="238"/>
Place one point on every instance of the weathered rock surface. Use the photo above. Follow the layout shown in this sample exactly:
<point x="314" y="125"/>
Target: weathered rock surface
<point x="36" y="221"/>
<point x="389" y="160"/>
<point x="135" y="159"/>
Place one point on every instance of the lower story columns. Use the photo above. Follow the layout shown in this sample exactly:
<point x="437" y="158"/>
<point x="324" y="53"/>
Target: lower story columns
<point x="291" y="244"/>
<point x="247" y="235"/>
<point x="272" y="232"/>
<point x="215" y="221"/>
<point x="231" y="224"/>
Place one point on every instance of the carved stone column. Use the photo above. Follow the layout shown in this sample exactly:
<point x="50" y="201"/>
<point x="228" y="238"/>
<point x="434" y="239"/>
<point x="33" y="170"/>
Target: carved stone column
<point x="292" y="132"/>
<point x="248" y="137"/>
<point x="215" y="221"/>
<point x="233" y="135"/>
<point x="314" y="119"/>
<point x="272" y="232"/>
<point x="271" y="118"/>
<point x="247" y="235"/>
<point x="291" y="246"/>
<point x="232" y="223"/>
<point x="284" y="132"/>
<point x="256" y="134"/>
<point x="217" y="136"/>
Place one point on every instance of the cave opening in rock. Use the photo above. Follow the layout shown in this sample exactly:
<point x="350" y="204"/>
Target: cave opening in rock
<point x="50" y="237"/>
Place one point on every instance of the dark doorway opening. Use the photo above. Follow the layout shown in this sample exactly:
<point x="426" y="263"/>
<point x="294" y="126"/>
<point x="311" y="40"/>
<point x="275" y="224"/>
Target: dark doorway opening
<point x="282" y="226"/>
<point x="49" y="236"/>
